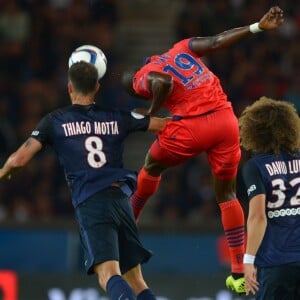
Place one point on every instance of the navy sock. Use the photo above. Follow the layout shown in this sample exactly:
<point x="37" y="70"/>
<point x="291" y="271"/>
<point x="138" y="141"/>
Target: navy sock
<point x="118" y="289"/>
<point x="146" y="295"/>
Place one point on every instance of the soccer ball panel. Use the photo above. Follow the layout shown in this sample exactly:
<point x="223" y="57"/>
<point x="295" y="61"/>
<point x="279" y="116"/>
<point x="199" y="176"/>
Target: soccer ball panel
<point x="92" y="55"/>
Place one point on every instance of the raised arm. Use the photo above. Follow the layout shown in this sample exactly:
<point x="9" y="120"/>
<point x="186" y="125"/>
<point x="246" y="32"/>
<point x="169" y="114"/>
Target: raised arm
<point x="205" y="45"/>
<point x="20" y="158"/>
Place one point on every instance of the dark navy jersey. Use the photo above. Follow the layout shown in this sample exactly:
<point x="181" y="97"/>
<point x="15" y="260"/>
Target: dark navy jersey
<point x="89" y="143"/>
<point x="278" y="178"/>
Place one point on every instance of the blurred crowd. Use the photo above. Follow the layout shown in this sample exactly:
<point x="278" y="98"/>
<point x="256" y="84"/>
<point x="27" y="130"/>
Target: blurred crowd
<point x="37" y="37"/>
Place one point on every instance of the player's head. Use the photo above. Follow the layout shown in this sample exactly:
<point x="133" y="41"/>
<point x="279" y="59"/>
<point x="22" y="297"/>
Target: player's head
<point x="83" y="78"/>
<point x="127" y="81"/>
<point x="270" y="126"/>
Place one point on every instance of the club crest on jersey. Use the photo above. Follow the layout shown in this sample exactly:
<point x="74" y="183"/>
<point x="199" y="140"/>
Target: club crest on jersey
<point x="35" y="133"/>
<point x="251" y="189"/>
<point x="137" y="116"/>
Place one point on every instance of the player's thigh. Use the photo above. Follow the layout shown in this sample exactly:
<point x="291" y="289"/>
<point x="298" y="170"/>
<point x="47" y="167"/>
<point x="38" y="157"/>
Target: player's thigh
<point x="279" y="283"/>
<point x="98" y="228"/>
<point x="225" y="154"/>
<point x="132" y="252"/>
<point x="175" y="144"/>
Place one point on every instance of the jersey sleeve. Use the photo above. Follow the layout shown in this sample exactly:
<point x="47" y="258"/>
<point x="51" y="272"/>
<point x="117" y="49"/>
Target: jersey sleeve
<point x="183" y="45"/>
<point x="44" y="131"/>
<point x="135" y="122"/>
<point x="252" y="179"/>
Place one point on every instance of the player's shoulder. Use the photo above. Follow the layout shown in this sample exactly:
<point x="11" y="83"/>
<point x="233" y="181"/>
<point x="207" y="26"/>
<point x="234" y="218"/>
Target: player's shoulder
<point x="183" y="43"/>
<point x="111" y="113"/>
<point x="60" y="111"/>
<point x="253" y="164"/>
<point x="182" y="46"/>
<point x="250" y="163"/>
<point x="76" y="108"/>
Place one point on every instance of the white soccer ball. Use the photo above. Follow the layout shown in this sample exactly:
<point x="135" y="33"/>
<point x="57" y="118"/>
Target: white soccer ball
<point x="92" y="55"/>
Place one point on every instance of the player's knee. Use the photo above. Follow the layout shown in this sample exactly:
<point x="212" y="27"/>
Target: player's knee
<point x="226" y="173"/>
<point x="225" y="189"/>
<point x="225" y="196"/>
<point x="152" y="171"/>
<point x="154" y="167"/>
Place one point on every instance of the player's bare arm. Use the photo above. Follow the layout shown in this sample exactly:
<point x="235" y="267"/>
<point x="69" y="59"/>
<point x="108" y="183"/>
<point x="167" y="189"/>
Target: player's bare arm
<point x="20" y="158"/>
<point x="256" y="224"/>
<point x="158" y="124"/>
<point x="204" y="45"/>
<point x="160" y="85"/>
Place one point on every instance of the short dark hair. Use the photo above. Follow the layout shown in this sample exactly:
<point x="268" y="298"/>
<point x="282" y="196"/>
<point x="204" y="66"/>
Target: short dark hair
<point x="84" y="77"/>
<point x="270" y="126"/>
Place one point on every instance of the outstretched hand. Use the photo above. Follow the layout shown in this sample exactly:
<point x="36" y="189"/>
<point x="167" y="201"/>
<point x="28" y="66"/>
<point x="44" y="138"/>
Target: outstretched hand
<point x="272" y="19"/>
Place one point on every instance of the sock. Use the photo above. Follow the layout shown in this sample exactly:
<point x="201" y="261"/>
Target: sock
<point x="118" y="289"/>
<point x="237" y="275"/>
<point x="147" y="185"/>
<point x="234" y="228"/>
<point x="146" y="295"/>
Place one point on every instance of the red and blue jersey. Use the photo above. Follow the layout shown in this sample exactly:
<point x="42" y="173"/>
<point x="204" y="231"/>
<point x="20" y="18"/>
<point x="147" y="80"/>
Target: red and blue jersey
<point x="196" y="90"/>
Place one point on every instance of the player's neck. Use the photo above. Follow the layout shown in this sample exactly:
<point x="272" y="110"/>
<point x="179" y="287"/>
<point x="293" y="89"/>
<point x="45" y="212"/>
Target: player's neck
<point x="83" y="101"/>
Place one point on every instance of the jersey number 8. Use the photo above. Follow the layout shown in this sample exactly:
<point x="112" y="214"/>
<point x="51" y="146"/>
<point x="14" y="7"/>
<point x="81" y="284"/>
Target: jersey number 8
<point x="96" y="157"/>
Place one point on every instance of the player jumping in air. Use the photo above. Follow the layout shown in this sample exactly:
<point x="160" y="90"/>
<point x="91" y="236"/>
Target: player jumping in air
<point x="202" y="121"/>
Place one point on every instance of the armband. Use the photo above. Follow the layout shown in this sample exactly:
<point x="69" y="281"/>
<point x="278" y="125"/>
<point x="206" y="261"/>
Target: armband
<point x="254" y="28"/>
<point x="248" y="259"/>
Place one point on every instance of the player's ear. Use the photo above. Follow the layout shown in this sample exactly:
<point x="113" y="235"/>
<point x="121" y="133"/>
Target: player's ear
<point x="97" y="87"/>
<point x="70" y="88"/>
<point x="127" y="81"/>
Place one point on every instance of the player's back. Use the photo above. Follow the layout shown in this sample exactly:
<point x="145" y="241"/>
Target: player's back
<point x="281" y="179"/>
<point x="89" y="143"/>
<point x="196" y="89"/>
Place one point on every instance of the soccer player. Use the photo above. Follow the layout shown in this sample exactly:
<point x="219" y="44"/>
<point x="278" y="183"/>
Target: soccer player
<point x="271" y="130"/>
<point x="89" y="143"/>
<point x="202" y="121"/>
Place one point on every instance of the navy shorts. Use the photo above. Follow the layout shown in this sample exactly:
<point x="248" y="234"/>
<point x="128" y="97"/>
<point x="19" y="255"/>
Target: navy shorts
<point x="279" y="283"/>
<point x="108" y="231"/>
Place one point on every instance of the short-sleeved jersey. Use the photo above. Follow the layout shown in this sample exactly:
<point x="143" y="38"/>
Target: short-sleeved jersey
<point x="278" y="177"/>
<point x="89" y="143"/>
<point x="196" y="90"/>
